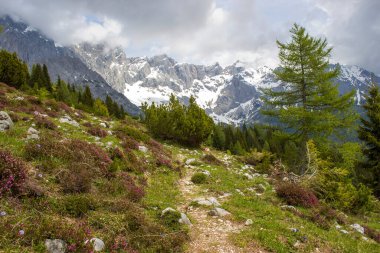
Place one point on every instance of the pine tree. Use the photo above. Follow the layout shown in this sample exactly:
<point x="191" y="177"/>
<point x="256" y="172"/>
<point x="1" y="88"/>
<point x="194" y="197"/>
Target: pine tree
<point x="87" y="98"/>
<point x="46" y="78"/>
<point x="309" y="106"/>
<point x="369" y="133"/>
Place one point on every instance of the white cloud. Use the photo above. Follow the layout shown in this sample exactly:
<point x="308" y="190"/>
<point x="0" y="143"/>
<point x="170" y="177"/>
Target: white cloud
<point x="206" y="31"/>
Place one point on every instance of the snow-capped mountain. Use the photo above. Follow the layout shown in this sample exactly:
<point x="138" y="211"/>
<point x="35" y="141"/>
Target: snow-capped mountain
<point x="230" y="94"/>
<point x="34" y="47"/>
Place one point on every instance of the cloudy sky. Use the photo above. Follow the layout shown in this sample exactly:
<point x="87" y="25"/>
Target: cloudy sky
<point x="209" y="31"/>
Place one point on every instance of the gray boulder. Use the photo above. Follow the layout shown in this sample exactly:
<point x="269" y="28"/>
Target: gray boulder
<point x="166" y="210"/>
<point x="67" y="119"/>
<point x="97" y="244"/>
<point x="6" y="122"/>
<point x="184" y="219"/>
<point x="33" y="134"/>
<point x="211" y="201"/>
<point x="217" y="211"/>
<point x="55" y="246"/>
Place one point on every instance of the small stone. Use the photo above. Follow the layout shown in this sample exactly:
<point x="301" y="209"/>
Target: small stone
<point x="358" y="228"/>
<point x="97" y="243"/>
<point x="190" y="161"/>
<point x="248" y="222"/>
<point x="218" y="212"/>
<point x="344" y="231"/>
<point x="297" y="244"/>
<point x="206" y="172"/>
<point x="143" y="149"/>
<point x="21" y="232"/>
<point x="294" y="230"/>
<point x="184" y="219"/>
<point x="55" y="246"/>
<point x="248" y="176"/>
<point x="365" y="238"/>
<point x="102" y="124"/>
<point x="67" y="119"/>
<point x="168" y="209"/>
<point x="288" y="207"/>
<point x="2" y="213"/>
<point x="338" y="226"/>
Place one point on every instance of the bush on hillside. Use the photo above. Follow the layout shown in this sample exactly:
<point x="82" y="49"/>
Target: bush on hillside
<point x="13" y="174"/>
<point x="297" y="195"/>
<point x="44" y="122"/>
<point x="189" y="125"/>
<point x="97" y="131"/>
<point x="77" y="205"/>
<point x="199" y="178"/>
<point x="211" y="159"/>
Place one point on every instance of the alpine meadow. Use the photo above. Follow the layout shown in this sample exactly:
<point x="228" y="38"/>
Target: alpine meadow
<point x="264" y="135"/>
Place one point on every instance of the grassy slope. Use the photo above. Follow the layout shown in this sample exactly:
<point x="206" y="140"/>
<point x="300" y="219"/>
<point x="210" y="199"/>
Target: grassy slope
<point x="111" y="215"/>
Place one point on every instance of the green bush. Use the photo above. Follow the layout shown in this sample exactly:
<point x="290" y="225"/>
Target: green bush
<point x="199" y="178"/>
<point x="77" y="205"/>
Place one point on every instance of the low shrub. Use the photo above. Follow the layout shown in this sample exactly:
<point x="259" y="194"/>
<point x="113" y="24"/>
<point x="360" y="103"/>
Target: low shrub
<point x="372" y="233"/>
<point x="297" y="195"/>
<point x="211" y="159"/>
<point x="76" y="179"/>
<point x="97" y="131"/>
<point x="134" y="192"/>
<point x="199" y="178"/>
<point x="44" y="122"/>
<point x="131" y="132"/>
<point x="130" y="144"/>
<point x="77" y="205"/>
<point x="13" y="174"/>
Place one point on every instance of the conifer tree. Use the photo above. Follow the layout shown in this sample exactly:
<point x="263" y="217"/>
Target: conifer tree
<point x="87" y="98"/>
<point x="369" y="133"/>
<point x="46" y="78"/>
<point x="309" y="106"/>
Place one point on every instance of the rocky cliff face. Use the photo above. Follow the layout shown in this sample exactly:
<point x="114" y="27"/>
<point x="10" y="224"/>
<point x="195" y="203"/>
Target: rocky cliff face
<point x="231" y="94"/>
<point x="33" y="47"/>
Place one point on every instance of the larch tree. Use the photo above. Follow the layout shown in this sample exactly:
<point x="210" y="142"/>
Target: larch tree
<point x="369" y="133"/>
<point x="308" y="105"/>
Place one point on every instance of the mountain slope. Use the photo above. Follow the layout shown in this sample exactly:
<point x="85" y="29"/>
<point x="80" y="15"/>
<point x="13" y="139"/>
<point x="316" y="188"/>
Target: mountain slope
<point x="230" y="94"/>
<point x="33" y="47"/>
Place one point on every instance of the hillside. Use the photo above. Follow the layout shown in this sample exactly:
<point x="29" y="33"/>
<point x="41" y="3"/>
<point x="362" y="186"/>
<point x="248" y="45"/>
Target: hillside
<point x="68" y="176"/>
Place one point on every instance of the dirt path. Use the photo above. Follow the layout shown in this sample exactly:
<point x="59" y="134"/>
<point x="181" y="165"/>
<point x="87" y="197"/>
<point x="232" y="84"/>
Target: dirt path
<point x="208" y="233"/>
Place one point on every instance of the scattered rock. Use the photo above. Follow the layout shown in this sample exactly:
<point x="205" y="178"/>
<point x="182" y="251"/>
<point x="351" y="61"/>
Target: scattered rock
<point x="6" y="122"/>
<point x="344" y="231"/>
<point x="365" y="238"/>
<point x="217" y="211"/>
<point x="19" y="98"/>
<point x="288" y="207"/>
<point x="67" y="119"/>
<point x="358" y="228"/>
<point x="248" y="222"/>
<point x="261" y="188"/>
<point x="294" y="230"/>
<point x="96" y="243"/>
<point x="168" y="209"/>
<point x="33" y="134"/>
<point x="211" y="201"/>
<point x="297" y="244"/>
<point x="103" y="124"/>
<point x="55" y="246"/>
<point x="240" y="192"/>
<point x="338" y="226"/>
<point x="109" y="132"/>
<point x="3" y="213"/>
<point x="206" y="172"/>
<point x="190" y="161"/>
<point x="248" y="176"/>
<point x="184" y="219"/>
<point x="143" y="149"/>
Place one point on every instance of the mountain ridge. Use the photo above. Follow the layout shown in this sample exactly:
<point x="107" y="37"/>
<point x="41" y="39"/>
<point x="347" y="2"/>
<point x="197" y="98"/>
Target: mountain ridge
<point x="33" y="47"/>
